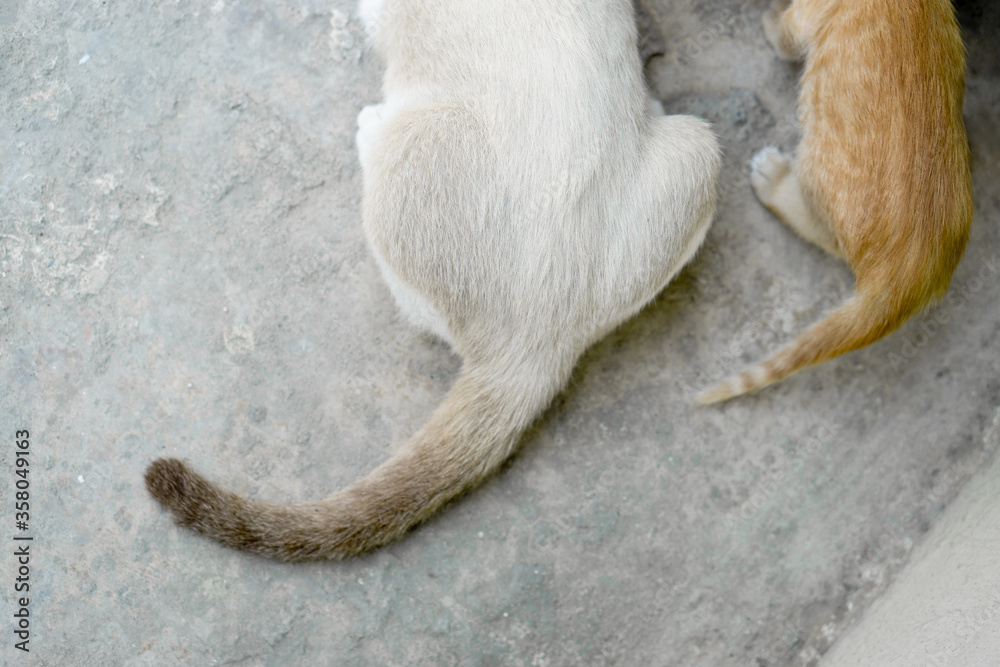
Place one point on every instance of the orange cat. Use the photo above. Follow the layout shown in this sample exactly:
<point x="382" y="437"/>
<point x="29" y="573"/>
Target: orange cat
<point x="881" y="176"/>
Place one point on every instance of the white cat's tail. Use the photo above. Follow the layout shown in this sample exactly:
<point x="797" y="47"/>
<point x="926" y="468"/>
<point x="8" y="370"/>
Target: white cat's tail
<point x="858" y="322"/>
<point x="476" y="428"/>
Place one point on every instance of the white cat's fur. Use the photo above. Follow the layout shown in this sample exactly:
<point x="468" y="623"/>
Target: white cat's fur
<point x="521" y="199"/>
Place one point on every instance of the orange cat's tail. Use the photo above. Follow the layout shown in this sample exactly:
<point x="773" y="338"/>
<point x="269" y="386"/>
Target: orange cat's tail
<point x="472" y="432"/>
<point x="860" y="321"/>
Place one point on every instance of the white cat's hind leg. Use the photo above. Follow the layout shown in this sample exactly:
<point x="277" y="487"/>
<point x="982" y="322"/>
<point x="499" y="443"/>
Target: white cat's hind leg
<point x="690" y="154"/>
<point x="776" y="186"/>
<point x="676" y="202"/>
<point x="412" y="304"/>
<point x="374" y="117"/>
<point x="373" y="122"/>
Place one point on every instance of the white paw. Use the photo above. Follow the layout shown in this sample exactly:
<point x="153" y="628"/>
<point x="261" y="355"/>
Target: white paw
<point x="768" y="160"/>
<point x="768" y="167"/>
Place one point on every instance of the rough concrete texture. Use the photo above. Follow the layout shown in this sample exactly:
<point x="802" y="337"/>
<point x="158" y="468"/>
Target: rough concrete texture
<point x="183" y="273"/>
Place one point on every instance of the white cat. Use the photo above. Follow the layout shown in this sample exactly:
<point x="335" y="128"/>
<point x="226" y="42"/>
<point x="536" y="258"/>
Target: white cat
<point x="522" y="198"/>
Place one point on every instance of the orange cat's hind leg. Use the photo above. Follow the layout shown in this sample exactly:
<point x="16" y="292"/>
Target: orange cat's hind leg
<point x="783" y="29"/>
<point x="774" y="182"/>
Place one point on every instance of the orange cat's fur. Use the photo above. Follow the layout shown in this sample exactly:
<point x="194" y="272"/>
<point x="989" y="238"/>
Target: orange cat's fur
<point x="881" y="176"/>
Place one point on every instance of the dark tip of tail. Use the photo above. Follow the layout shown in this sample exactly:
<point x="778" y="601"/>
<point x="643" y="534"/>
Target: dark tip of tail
<point x="174" y="486"/>
<point x="165" y="480"/>
<point x="197" y="504"/>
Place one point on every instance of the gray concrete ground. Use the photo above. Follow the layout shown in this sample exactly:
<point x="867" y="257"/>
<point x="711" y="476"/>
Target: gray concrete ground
<point x="183" y="273"/>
